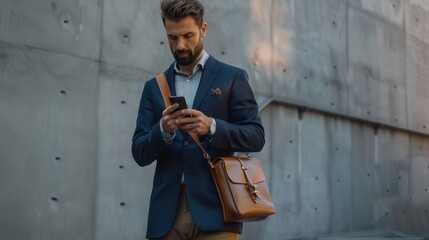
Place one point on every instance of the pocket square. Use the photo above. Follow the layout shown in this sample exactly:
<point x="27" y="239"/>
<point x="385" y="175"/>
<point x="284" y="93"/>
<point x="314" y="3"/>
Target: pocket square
<point x="216" y="91"/>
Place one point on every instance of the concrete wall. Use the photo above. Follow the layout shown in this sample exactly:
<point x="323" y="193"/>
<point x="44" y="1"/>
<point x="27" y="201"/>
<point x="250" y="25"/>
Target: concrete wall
<point x="344" y="83"/>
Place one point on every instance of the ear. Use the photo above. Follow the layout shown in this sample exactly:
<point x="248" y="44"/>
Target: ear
<point x="203" y="29"/>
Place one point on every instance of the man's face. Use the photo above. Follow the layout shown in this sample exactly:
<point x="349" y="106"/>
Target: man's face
<point x="185" y="39"/>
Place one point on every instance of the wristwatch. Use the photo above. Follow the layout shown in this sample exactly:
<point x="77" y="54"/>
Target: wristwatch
<point x="212" y="127"/>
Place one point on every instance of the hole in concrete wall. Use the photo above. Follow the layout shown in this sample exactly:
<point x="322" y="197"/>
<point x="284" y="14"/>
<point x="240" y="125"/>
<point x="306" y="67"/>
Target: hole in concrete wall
<point x="63" y="92"/>
<point x="125" y="35"/>
<point x="162" y="42"/>
<point x="368" y="112"/>
<point x="396" y="119"/>
<point x="338" y="180"/>
<point x="305" y="77"/>
<point x="426" y="211"/>
<point x="387" y="214"/>
<point x="284" y="70"/>
<point x="411" y="199"/>
<point x="387" y="190"/>
<point x="121" y="167"/>
<point x="288" y="176"/>
<point x="399" y="177"/>
<point x="223" y="53"/>
<point x="58" y="158"/>
<point x="291" y="141"/>
<point x="316" y="178"/>
<point x="424" y="126"/>
<point x="316" y="209"/>
<point x="332" y="104"/>
<point x="417" y="20"/>
<point x="426" y="189"/>
<point x="335" y="67"/>
<point x="394" y="6"/>
<point x="405" y="212"/>
<point x="122" y="204"/>
<point x="54" y="199"/>
<point x="123" y="102"/>
<point x="66" y="20"/>
<point x="369" y="175"/>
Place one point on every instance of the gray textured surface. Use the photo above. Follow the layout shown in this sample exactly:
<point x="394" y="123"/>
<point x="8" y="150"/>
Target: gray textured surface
<point x="71" y="75"/>
<point x="123" y="189"/>
<point x="70" y="27"/>
<point x="48" y="145"/>
<point x="376" y="69"/>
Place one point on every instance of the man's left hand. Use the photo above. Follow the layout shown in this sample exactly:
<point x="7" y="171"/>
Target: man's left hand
<point x="196" y="122"/>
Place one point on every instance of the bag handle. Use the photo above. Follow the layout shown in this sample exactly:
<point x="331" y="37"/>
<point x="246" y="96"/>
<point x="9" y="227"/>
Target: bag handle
<point x="165" y="92"/>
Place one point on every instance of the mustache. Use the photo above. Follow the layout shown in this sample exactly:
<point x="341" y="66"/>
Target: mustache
<point x="177" y="52"/>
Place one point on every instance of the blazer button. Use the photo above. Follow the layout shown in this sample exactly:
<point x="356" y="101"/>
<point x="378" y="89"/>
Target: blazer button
<point x="185" y="143"/>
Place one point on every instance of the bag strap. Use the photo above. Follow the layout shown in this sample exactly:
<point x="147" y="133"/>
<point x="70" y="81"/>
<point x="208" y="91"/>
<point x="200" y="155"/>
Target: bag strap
<point x="165" y="92"/>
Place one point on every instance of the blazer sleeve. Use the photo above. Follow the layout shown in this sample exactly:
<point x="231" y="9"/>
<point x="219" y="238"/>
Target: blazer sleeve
<point x="147" y="142"/>
<point x="243" y="132"/>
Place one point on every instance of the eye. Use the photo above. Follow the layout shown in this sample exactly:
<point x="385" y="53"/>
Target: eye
<point x="172" y="37"/>
<point x="190" y="35"/>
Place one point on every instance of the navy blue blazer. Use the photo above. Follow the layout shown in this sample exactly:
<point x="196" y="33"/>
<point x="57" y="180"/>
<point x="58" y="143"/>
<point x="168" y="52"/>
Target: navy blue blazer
<point x="238" y="129"/>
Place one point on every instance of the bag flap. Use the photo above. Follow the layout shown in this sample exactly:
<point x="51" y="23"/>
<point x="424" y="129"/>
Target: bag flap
<point x="235" y="172"/>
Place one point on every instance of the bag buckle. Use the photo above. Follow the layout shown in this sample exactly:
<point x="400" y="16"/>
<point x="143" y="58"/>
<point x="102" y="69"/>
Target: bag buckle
<point x="254" y="192"/>
<point x="253" y="188"/>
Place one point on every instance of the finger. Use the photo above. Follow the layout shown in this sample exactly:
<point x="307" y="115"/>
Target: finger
<point x="170" y="109"/>
<point x="190" y="112"/>
<point x="186" y="120"/>
<point x="171" y="126"/>
<point x="193" y="125"/>
<point x="190" y="126"/>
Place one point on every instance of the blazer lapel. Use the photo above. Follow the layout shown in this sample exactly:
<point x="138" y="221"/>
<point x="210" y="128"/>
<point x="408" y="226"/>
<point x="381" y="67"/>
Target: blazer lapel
<point x="209" y="75"/>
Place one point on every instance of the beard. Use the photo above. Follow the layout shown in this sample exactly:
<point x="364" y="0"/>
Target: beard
<point x="190" y="56"/>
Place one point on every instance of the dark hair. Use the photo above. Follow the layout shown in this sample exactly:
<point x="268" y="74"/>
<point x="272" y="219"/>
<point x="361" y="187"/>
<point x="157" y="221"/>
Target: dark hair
<point x="175" y="10"/>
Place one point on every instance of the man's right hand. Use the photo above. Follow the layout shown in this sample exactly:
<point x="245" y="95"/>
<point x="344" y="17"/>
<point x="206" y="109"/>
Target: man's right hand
<point x="169" y="117"/>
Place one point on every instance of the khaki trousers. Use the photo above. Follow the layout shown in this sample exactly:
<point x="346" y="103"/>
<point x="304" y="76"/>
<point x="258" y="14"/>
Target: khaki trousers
<point x="184" y="227"/>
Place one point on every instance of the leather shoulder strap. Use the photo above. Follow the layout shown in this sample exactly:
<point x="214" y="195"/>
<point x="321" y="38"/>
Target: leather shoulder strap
<point x="165" y="90"/>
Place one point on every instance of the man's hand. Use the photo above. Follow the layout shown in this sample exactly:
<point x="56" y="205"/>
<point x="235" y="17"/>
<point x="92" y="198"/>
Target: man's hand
<point x="169" y="118"/>
<point x="194" y="121"/>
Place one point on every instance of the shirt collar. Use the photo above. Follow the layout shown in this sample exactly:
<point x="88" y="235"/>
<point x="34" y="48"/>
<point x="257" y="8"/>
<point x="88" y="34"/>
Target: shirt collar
<point x="201" y="63"/>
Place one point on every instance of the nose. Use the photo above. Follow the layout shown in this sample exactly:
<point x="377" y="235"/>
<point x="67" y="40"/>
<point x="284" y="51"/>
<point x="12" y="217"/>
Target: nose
<point x="180" y="44"/>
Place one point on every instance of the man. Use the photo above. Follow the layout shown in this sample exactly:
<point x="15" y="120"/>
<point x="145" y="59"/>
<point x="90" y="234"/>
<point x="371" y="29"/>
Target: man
<point x="223" y="112"/>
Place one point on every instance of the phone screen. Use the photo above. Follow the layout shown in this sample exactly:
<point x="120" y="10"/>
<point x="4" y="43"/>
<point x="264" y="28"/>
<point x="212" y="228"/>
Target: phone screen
<point x="179" y="100"/>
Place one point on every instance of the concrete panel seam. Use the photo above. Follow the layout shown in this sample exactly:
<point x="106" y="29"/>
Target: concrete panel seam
<point x="343" y="116"/>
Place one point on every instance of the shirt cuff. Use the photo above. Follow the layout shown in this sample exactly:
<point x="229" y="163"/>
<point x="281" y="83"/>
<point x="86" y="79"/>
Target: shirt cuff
<point x="168" y="137"/>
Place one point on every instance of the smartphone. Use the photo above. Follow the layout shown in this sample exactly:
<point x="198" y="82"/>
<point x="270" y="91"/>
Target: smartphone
<point x="179" y="100"/>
